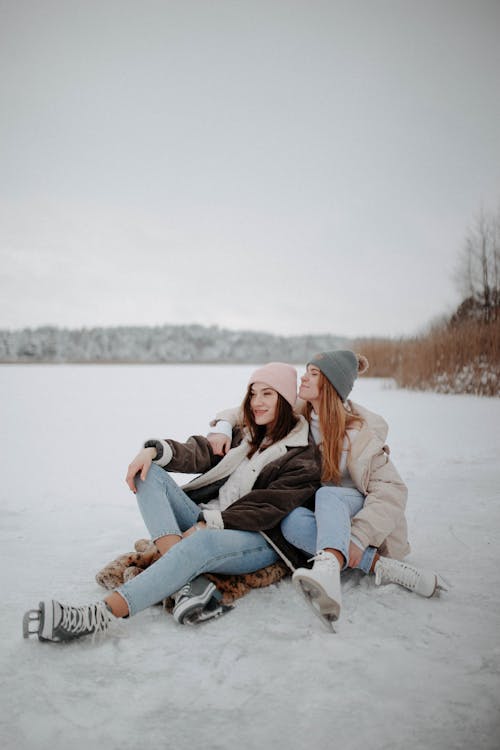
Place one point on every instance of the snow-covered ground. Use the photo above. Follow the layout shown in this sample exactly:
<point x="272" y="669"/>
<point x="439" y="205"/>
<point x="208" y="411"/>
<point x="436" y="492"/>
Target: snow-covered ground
<point x="401" y="672"/>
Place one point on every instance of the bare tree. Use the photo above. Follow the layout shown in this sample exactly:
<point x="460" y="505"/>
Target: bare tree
<point x="496" y="263"/>
<point x="478" y="269"/>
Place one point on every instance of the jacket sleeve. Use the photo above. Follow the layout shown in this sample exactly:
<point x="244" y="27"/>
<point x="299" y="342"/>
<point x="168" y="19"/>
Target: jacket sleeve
<point x="384" y="505"/>
<point x="264" y="508"/>
<point x="195" y="456"/>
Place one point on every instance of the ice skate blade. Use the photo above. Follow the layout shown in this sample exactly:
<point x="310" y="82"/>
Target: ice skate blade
<point x="204" y="615"/>
<point x="325" y="604"/>
<point x="438" y="589"/>
<point x="313" y="595"/>
<point x="32" y="615"/>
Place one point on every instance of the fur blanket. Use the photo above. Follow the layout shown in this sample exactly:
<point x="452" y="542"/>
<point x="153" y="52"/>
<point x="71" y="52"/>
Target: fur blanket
<point x="232" y="587"/>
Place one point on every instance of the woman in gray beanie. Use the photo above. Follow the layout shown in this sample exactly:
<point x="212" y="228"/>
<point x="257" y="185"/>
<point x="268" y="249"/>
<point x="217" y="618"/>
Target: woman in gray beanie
<point x="358" y="519"/>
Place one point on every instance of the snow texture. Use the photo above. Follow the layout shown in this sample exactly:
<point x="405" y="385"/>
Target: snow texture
<point x="401" y="672"/>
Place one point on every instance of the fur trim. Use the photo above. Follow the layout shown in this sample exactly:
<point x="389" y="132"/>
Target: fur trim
<point x="112" y="575"/>
<point x="298" y="437"/>
<point x="232" y="587"/>
<point x="166" y="456"/>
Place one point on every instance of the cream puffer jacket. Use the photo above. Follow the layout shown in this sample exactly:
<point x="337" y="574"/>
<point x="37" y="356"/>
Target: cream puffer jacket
<point x="381" y="523"/>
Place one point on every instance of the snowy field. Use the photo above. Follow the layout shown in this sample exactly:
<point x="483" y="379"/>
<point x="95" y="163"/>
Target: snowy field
<point x="401" y="673"/>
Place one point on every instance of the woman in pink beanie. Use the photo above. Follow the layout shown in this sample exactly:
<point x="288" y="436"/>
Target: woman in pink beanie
<point x="211" y="524"/>
<point x="281" y="377"/>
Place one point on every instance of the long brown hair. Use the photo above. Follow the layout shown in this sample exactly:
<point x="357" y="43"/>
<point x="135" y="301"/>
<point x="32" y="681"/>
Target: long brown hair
<point x="283" y="423"/>
<point x="334" y="421"/>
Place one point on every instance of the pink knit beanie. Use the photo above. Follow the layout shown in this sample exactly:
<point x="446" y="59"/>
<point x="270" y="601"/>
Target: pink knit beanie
<point x="281" y="377"/>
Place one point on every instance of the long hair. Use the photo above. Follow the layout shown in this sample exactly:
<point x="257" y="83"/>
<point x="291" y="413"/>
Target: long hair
<point x="334" y="421"/>
<point x="283" y="423"/>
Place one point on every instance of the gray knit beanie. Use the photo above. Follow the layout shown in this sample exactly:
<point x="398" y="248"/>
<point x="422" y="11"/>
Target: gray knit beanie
<point x="341" y="368"/>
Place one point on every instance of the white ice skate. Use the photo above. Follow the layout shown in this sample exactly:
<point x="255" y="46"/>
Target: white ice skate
<point x="320" y="586"/>
<point x="422" y="582"/>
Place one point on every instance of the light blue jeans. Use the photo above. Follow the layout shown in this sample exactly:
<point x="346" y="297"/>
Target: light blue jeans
<point x="167" y="509"/>
<point x="329" y="525"/>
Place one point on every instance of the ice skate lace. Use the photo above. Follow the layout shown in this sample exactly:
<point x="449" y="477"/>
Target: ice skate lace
<point x="183" y="592"/>
<point x="94" y="618"/>
<point x="323" y="558"/>
<point x="404" y="575"/>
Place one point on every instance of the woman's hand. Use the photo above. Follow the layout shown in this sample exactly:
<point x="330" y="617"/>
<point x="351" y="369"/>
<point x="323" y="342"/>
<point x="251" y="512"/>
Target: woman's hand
<point x="197" y="527"/>
<point x="141" y="463"/>
<point x="355" y="555"/>
<point x="220" y="443"/>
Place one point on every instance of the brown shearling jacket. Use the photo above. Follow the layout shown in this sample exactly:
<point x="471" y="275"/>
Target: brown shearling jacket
<point x="290" y="476"/>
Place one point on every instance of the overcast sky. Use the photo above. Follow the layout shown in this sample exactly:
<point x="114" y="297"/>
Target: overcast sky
<point x="278" y="165"/>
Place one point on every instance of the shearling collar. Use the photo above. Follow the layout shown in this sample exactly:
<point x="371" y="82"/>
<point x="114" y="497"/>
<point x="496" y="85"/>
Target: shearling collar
<point x="299" y="436"/>
<point x="296" y="438"/>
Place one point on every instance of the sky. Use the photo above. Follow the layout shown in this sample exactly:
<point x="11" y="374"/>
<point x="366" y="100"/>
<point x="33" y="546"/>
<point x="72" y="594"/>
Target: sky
<point x="287" y="166"/>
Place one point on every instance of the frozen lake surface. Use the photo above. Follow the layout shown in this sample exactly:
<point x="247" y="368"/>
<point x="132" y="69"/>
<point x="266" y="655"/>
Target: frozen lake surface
<point x="401" y="672"/>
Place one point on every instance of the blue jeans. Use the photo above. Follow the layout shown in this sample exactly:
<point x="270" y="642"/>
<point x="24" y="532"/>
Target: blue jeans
<point x="329" y="525"/>
<point x="166" y="509"/>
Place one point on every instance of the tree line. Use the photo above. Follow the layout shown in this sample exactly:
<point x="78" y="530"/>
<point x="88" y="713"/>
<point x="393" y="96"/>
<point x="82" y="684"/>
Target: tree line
<point x="161" y="344"/>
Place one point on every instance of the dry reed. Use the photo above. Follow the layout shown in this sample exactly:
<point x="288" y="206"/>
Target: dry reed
<point x="463" y="358"/>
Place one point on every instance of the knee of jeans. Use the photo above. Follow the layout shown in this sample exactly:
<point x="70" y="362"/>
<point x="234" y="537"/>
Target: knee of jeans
<point x="200" y="547"/>
<point x="342" y="499"/>
<point x="155" y="474"/>
<point x="333" y="494"/>
<point x="158" y="472"/>
<point x="146" y="487"/>
<point x="327" y="492"/>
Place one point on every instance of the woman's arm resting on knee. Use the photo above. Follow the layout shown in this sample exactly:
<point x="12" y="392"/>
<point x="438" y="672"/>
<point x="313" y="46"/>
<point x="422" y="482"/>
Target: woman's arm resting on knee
<point x="141" y="463"/>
